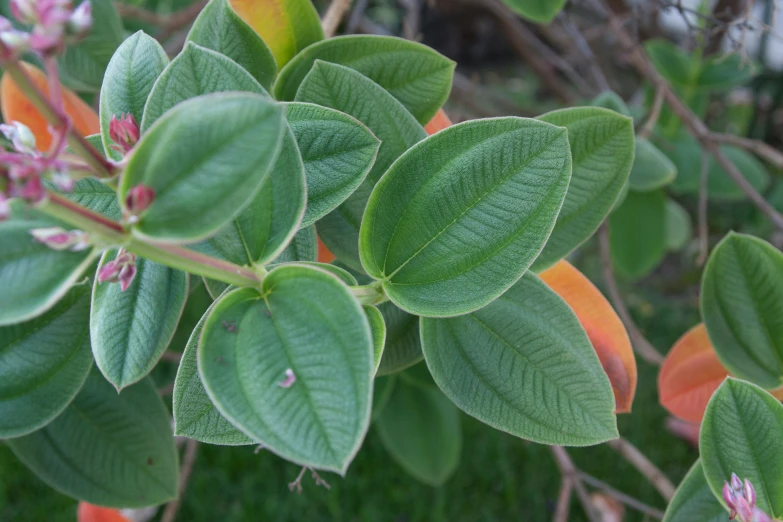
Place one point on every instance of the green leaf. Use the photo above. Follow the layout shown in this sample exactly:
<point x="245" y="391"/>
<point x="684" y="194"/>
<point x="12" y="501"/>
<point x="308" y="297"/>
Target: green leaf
<point x="33" y="277"/>
<point x="250" y="340"/>
<point x="725" y="72"/>
<point x="742" y="306"/>
<point x="382" y="390"/>
<point x="130" y="75"/>
<point x="451" y="241"/>
<point x="107" y="449"/>
<point x="602" y="149"/>
<point x="303" y="247"/>
<point x="82" y="65"/>
<point x="525" y="366"/>
<point x="206" y="160"/>
<point x="417" y="76"/>
<point x="194" y="72"/>
<point x="195" y="416"/>
<point x="679" y="228"/>
<point x="740" y="434"/>
<point x="637" y="233"/>
<point x="130" y="330"/>
<point x="421" y="430"/>
<point x="346" y="90"/>
<point x="673" y="63"/>
<point x="403" y="343"/>
<point x="686" y="154"/>
<point x="612" y="101"/>
<point x="43" y="363"/>
<point x="651" y="168"/>
<point x="264" y="229"/>
<point x="338" y="152"/>
<point x="220" y="28"/>
<point x="378" y="329"/>
<point x="538" y="11"/>
<point x="96" y="196"/>
<point x="694" y="500"/>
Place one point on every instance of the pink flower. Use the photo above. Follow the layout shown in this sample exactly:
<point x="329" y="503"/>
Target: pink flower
<point x="122" y="269"/>
<point x="139" y="198"/>
<point x="58" y="238"/>
<point x="124" y="131"/>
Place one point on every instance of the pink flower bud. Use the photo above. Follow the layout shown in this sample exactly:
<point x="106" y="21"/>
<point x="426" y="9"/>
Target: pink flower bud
<point x="45" y="39"/>
<point x="289" y="380"/>
<point x="743" y="510"/>
<point x="24" y="11"/>
<point x="32" y="190"/>
<point x="122" y="269"/>
<point x="57" y="238"/>
<point x="124" y="131"/>
<point x="139" y="198"/>
<point x="20" y="136"/>
<point x="81" y="20"/>
<point x="16" y="41"/>
<point x="750" y="493"/>
<point x="53" y="13"/>
<point x="736" y="483"/>
<point x="728" y="496"/>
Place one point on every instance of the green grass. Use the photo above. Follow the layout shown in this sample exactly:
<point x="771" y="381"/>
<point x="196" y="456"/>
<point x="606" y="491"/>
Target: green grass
<point x="500" y="477"/>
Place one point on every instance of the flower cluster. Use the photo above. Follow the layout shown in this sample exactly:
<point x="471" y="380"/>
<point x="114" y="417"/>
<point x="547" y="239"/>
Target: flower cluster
<point x="122" y="269"/>
<point x="740" y="497"/>
<point x="54" y="24"/>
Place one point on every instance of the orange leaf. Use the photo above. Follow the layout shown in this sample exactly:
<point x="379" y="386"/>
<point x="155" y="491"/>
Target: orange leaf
<point x="324" y="255"/>
<point x="603" y="327"/>
<point x="438" y="122"/>
<point x="90" y="513"/>
<point x="690" y="374"/>
<point x="17" y="107"/>
<point x="286" y="26"/>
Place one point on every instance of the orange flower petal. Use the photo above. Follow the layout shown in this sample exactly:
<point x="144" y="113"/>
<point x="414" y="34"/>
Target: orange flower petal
<point x="438" y="122"/>
<point x="17" y="107"/>
<point x="324" y="255"/>
<point x="91" y="513"/>
<point x="690" y="374"/>
<point x="603" y="327"/>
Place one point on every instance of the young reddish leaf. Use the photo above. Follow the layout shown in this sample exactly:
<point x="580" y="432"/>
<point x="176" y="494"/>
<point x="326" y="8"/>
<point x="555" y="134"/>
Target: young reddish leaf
<point x="287" y="26"/>
<point x="690" y="374"/>
<point x="603" y="327"/>
<point x="324" y="255"/>
<point x="91" y="513"/>
<point x="17" y="107"/>
<point x="438" y="122"/>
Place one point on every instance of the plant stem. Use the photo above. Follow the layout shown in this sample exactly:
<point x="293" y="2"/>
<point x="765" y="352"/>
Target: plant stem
<point x="58" y="120"/>
<point x="174" y="256"/>
<point x="371" y="294"/>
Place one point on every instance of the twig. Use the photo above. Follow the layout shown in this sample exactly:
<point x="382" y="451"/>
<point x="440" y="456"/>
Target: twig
<point x="696" y="126"/>
<point x="644" y="466"/>
<point x="764" y="151"/>
<point x="530" y="48"/>
<point x="704" y="247"/>
<point x="170" y="512"/>
<point x="642" y="346"/>
<point x="568" y="470"/>
<point x="564" y="500"/>
<point x="334" y="14"/>
<point x="179" y="20"/>
<point x="583" y="48"/>
<point x="652" y="117"/>
<point x="412" y="19"/>
<point x="174" y="357"/>
<point x="622" y="497"/>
